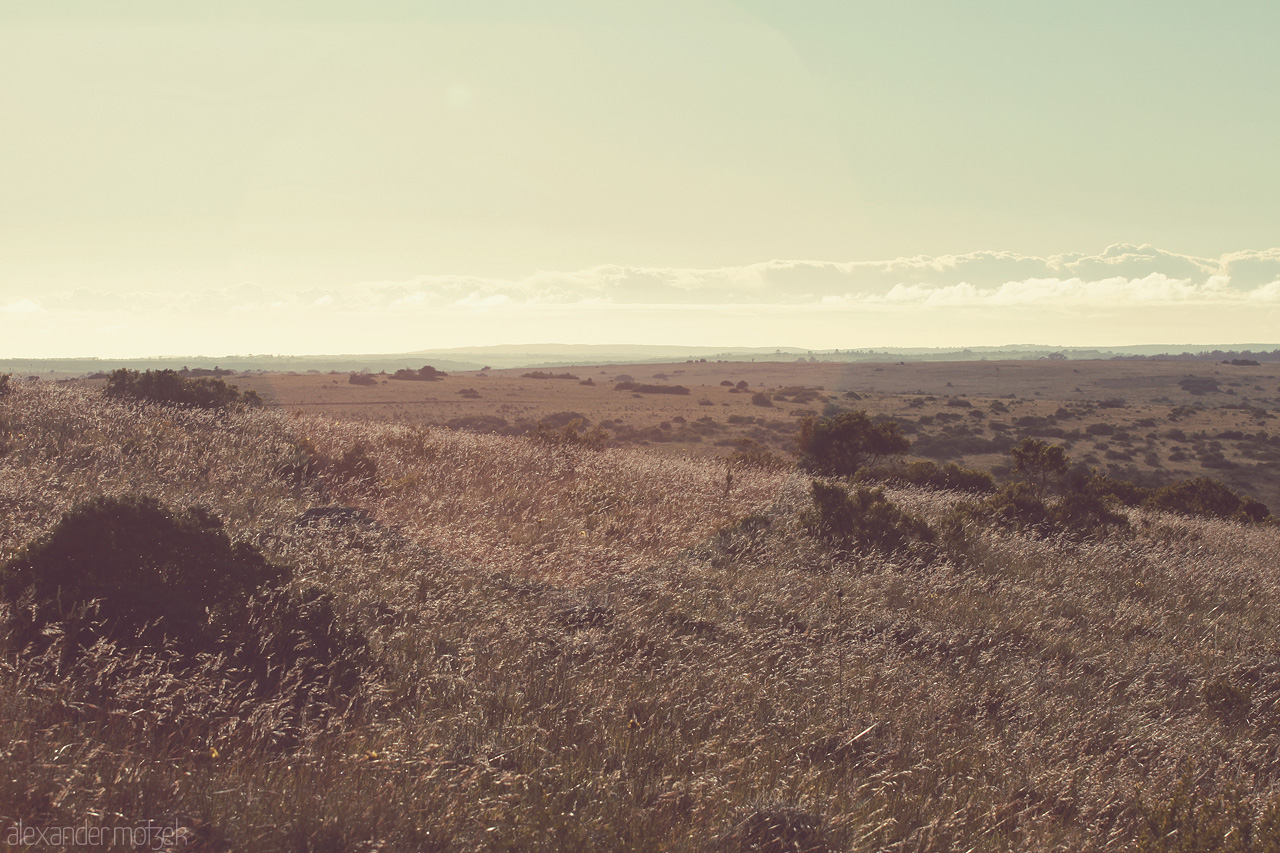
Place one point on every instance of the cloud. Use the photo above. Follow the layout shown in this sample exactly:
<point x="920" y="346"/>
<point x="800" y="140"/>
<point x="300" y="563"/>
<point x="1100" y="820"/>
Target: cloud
<point x="1125" y="294"/>
<point x="22" y="306"/>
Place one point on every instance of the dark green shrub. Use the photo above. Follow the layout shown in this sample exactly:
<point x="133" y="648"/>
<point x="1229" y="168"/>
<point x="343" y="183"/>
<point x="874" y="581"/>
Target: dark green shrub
<point x="5" y="387"/>
<point x="1019" y="504"/>
<point x="862" y="518"/>
<point x="362" y="379"/>
<point x="650" y="389"/>
<point x="839" y="446"/>
<point x="1040" y="462"/>
<point x="930" y="474"/>
<point x="1207" y="497"/>
<point x="154" y="573"/>
<point x="542" y="374"/>
<point x="426" y="373"/>
<point x="171" y="388"/>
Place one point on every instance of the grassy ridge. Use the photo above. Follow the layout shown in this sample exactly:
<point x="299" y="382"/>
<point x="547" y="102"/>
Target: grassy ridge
<point x="585" y="649"/>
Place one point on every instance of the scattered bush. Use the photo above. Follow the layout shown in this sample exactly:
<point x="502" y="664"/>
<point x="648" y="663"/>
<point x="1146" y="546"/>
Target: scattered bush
<point x="355" y="466"/>
<point x="539" y="374"/>
<point x="1039" y="461"/>
<point x="650" y="389"/>
<point x="930" y="474"/>
<point x="839" y="446"/>
<point x="362" y="379"/>
<point x="5" y="387"/>
<point x="572" y="434"/>
<point x="862" y="518"/>
<point x="1207" y="497"/>
<point x="138" y="572"/>
<point x="761" y="399"/>
<point x="426" y="373"/>
<point x="170" y="388"/>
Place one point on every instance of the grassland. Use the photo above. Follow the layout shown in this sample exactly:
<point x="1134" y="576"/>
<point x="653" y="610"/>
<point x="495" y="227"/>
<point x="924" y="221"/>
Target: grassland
<point x="617" y="649"/>
<point x="1146" y="421"/>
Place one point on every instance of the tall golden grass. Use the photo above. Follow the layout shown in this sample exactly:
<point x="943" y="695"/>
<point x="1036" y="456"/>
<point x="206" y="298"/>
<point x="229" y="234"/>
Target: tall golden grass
<point x="608" y="650"/>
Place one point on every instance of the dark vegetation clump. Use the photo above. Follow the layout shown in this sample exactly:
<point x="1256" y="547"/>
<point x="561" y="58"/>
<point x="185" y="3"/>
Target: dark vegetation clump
<point x="862" y="518"/>
<point x="426" y="373"/>
<point x="839" y="446"/>
<point x="171" y="388"/>
<point x="571" y="434"/>
<point x="362" y="379"/>
<point x="641" y="388"/>
<point x="308" y="466"/>
<point x="1207" y="497"/>
<point x="5" y="387"/>
<point x="126" y="582"/>
<point x="143" y="571"/>
<point x="927" y="473"/>
<point x="541" y="374"/>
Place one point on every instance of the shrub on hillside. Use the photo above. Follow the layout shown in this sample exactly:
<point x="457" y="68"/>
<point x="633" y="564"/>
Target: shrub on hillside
<point x="1207" y="497"/>
<point x="932" y="475"/>
<point x="572" y="434"/>
<point x="862" y="517"/>
<point x="5" y="387"/>
<point x="171" y="388"/>
<point x="1040" y="463"/>
<point x="839" y="446"/>
<point x="362" y="379"/>
<point x="141" y="571"/>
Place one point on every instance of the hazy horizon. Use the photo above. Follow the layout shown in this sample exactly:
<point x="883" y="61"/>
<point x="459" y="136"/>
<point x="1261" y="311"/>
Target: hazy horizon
<point x="393" y="176"/>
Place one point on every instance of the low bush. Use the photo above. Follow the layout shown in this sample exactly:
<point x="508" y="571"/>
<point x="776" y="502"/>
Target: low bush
<point x="650" y="389"/>
<point x="934" y="476"/>
<point x="862" y="518"/>
<point x="572" y="434"/>
<point x="137" y="572"/>
<point x="839" y="446"/>
<point x="426" y="373"/>
<point x="1207" y="497"/>
<point x="541" y="374"/>
<point x="171" y="388"/>
<point x="362" y="379"/>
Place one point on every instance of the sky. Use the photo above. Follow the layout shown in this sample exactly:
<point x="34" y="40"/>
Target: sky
<point x="281" y="176"/>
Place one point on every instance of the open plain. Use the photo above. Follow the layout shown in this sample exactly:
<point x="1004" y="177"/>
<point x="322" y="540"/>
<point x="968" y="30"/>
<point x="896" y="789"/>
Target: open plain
<point x="1149" y="421"/>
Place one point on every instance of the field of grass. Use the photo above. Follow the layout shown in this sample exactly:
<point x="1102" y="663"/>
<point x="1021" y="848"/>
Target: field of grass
<point x="1150" y="422"/>
<point x="566" y="648"/>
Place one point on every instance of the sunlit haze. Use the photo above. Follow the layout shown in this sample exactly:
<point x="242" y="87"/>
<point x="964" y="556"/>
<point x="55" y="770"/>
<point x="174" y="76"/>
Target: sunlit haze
<point x="384" y="176"/>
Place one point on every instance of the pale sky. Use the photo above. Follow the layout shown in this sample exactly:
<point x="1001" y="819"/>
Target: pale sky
<point x="389" y="175"/>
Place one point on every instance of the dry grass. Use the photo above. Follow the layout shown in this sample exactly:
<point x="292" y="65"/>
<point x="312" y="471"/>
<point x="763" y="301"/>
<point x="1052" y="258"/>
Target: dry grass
<point x="589" y="651"/>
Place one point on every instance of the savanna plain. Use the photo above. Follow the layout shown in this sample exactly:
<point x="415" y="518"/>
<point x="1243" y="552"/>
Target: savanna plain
<point x="695" y="606"/>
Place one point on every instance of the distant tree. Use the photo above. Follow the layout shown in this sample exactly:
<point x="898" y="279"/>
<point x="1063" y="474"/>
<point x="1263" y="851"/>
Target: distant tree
<point x="1040" y="462"/>
<point x="840" y="445"/>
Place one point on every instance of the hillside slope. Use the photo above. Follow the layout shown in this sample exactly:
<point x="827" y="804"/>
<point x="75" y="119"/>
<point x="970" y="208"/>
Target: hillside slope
<point x="564" y="648"/>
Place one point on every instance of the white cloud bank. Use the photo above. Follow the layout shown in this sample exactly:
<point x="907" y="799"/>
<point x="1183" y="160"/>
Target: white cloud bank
<point x="1127" y="294"/>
